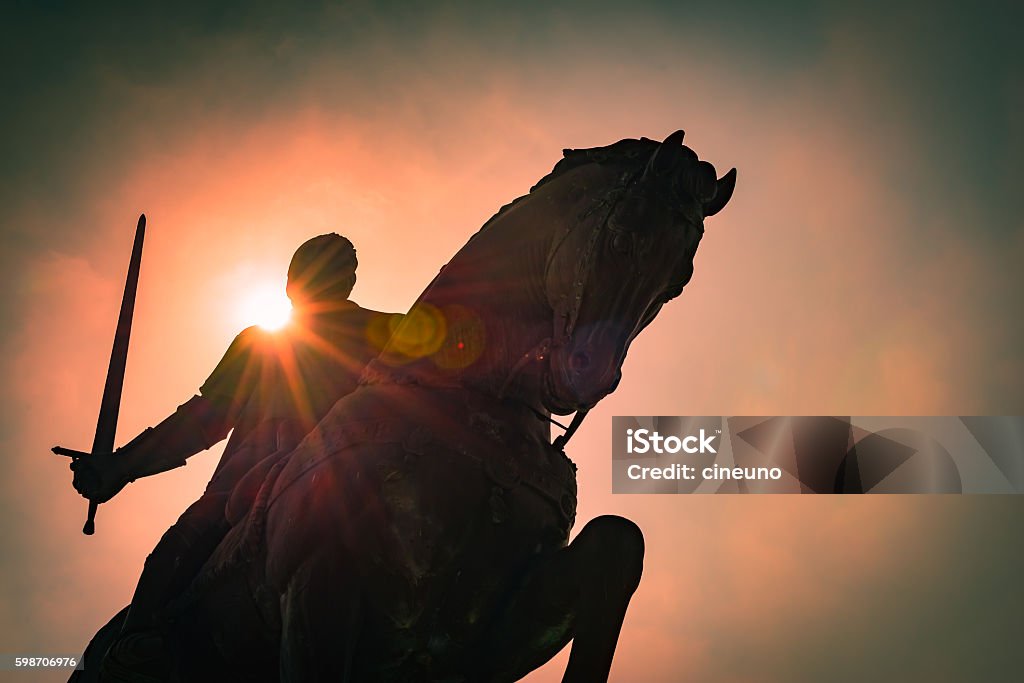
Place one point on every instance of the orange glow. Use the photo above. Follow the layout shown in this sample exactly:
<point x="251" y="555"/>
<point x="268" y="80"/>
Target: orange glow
<point x="807" y="299"/>
<point x="266" y="306"/>
<point x="214" y="242"/>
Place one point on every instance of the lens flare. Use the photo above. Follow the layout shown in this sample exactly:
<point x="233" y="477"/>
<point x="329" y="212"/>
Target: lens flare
<point x="421" y="333"/>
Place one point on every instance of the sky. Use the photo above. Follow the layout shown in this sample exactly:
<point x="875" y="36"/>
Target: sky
<point x="868" y="264"/>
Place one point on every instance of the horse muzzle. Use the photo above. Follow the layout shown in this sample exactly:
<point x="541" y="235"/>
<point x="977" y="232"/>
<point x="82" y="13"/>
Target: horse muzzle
<point x="583" y="373"/>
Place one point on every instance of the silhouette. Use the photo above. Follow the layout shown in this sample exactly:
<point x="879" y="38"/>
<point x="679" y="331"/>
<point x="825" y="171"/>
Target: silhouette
<point x="420" y="531"/>
<point x="110" y="404"/>
<point x="269" y="390"/>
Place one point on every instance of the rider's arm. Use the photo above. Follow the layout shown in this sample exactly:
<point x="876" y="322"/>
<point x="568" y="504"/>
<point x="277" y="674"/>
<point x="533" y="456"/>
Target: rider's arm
<point x="207" y="418"/>
<point x="196" y="425"/>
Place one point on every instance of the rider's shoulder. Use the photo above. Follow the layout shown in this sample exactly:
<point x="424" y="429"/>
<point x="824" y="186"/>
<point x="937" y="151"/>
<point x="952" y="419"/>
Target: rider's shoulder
<point x="253" y="335"/>
<point x="254" y="338"/>
<point x="371" y="313"/>
<point x="396" y="317"/>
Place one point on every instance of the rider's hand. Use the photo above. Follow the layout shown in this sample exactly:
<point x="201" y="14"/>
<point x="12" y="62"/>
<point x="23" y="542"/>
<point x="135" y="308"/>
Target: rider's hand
<point x="99" y="477"/>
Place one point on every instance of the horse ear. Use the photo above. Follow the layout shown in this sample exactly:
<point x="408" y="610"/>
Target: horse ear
<point x="666" y="155"/>
<point x="723" y="192"/>
<point x="674" y="139"/>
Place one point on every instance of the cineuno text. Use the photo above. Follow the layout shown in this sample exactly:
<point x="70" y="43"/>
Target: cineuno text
<point x="645" y="441"/>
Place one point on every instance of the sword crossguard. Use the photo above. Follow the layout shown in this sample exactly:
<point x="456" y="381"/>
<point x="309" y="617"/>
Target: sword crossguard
<point x="69" y="452"/>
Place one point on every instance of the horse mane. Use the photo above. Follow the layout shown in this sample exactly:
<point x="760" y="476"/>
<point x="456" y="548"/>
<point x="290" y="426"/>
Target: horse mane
<point x="617" y="152"/>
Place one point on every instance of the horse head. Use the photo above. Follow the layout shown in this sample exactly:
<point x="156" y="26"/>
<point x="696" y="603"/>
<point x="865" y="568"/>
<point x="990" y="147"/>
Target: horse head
<point x="632" y="249"/>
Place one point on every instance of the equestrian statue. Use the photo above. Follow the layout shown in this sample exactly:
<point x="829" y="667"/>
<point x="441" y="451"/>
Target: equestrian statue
<point x="420" y="530"/>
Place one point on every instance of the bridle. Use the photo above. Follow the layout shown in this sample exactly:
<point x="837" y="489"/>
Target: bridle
<point x="566" y="307"/>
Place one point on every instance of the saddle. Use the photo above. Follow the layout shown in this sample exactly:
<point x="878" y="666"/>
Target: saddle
<point x="507" y="458"/>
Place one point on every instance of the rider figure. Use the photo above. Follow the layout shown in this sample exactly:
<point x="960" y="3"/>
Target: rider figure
<point x="269" y="390"/>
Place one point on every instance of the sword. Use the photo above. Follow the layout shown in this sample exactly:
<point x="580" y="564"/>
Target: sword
<point x="106" y="424"/>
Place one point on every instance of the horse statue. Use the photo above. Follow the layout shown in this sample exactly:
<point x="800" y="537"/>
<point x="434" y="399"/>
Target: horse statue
<point x="420" y="532"/>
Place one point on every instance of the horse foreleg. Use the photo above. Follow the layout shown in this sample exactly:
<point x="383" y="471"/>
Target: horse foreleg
<point x="579" y="593"/>
<point x="611" y="561"/>
<point x="320" y="613"/>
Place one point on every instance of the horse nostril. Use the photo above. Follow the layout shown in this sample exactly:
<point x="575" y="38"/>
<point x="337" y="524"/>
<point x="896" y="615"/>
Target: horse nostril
<point x="579" y="361"/>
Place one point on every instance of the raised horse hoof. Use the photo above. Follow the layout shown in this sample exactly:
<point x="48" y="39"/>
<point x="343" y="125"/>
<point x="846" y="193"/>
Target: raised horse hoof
<point x="140" y="657"/>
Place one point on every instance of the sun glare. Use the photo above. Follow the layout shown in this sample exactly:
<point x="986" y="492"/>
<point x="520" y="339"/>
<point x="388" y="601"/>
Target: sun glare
<point x="265" y="306"/>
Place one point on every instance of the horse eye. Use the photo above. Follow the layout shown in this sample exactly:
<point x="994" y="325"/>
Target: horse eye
<point x="622" y="242"/>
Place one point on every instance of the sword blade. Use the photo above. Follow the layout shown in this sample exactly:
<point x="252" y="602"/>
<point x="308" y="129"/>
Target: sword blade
<point x="110" y="406"/>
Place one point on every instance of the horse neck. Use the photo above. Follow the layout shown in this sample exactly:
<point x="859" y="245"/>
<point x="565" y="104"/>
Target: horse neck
<point x="498" y="278"/>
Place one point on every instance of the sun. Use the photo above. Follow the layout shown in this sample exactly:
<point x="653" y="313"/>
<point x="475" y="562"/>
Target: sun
<point x="265" y="306"/>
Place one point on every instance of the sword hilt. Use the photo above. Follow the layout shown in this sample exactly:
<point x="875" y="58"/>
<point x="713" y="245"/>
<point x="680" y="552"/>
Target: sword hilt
<point x="90" y="522"/>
